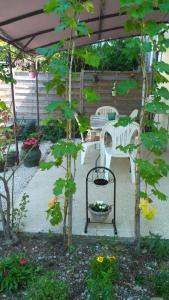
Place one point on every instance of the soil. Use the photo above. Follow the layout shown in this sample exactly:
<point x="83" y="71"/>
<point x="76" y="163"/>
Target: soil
<point x="73" y="265"/>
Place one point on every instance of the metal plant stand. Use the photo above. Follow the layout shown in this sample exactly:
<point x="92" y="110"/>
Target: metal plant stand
<point x="101" y="177"/>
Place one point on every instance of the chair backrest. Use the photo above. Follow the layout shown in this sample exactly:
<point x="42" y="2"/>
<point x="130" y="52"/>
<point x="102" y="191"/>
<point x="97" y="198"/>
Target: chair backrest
<point x="134" y="114"/>
<point x="112" y="137"/>
<point x="104" y="110"/>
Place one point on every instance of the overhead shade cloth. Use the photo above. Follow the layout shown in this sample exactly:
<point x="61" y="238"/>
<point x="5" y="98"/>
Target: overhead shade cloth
<point x="24" y="24"/>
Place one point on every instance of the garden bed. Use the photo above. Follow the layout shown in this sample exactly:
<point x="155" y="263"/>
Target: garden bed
<point x="73" y="266"/>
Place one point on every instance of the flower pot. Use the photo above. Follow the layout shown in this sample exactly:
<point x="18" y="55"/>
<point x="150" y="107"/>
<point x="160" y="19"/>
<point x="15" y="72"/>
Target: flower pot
<point x="31" y="158"/>
<point x="100" y="216"/>
<point x="2" y="166"/>
<point x="10" y="158"/>
<point x="32" y="74"/>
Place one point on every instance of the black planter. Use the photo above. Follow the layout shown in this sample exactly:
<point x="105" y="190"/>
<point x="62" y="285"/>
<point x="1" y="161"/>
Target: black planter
<point x="2" y="166"/>
<point x="30" y="158"/>
<point x="10" y="158"/>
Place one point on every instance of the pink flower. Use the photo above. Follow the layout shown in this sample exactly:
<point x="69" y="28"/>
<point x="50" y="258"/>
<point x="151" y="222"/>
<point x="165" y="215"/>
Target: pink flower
<point x="23" y="261"/>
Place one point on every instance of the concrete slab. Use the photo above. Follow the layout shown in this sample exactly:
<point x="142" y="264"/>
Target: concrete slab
<point x="40" y="192"/>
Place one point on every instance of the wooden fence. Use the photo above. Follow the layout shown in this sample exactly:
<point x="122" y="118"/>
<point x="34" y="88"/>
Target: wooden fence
<point x="101" y="81"/>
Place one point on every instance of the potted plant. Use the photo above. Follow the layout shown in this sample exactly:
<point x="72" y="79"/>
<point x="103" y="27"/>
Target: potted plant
<point x="11" y="157"/>
<point x="100" y="210"/>
<point x="30" y="153"/>
<point x="32" y="71"/>
<point x="2" y="163"/>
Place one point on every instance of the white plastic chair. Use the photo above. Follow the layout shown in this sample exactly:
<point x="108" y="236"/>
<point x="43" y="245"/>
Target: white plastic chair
<point x="118" y="136"/>
<point x="134" y="114"/>
<point x="86" y="145"/>
<point x="104" y="110"/>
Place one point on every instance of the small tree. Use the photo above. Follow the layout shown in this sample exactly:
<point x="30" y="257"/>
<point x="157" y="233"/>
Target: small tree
<point x="152" y="136"/>
<point x="61" y="66"/>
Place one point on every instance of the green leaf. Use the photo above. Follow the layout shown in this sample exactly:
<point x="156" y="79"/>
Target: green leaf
<point x="148" y="171"/>
<point x="49" y="51"/>
<point x="159" y="78"/>
<point x="161" y="67"/>
<point x="46" y="165"/>
<point x="164" y="7"/>
<point x="123" y="121"/>
<point x="146" y="47"/>
<point x="56" y="105"/>
<point x="59" y="7"/>
<point x="163" y="92"/>
<point x="70" y="186"/>
<point x="88" y="6"/>
<point x="91" y="59"/>
<point x="82" y="29"/>
<point x="156" y="140"/>
<point x="143" y="195"/>
<point x="157" y="106"/>
<point x="90" y="95"/>
<point x="59" y="186"/>
<point x="152" y="28"/>
<point x="84" y="123"/>
<point x="162" y="166"/>
<point x="54" y="214"/>
<point x="127" y="149"/>
<point x="161" y="196"/>
<point x="125" y="86"/>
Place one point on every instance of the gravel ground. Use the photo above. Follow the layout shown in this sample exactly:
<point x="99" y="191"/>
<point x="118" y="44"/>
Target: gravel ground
<point x="23" y="174"/>
<point x="73" y="266"/>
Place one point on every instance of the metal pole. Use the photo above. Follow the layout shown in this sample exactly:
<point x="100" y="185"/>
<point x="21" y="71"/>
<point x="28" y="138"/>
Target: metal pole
<point x="13" y="106"/>
<point x="37" y="93"/>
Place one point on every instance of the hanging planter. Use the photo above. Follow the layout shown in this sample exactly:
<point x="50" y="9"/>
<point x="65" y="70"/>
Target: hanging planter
<point x="100" y="211"/>
<point x="30" y="153"/>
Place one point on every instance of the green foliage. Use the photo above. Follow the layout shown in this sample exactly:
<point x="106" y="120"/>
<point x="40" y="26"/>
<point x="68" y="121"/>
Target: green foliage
<point x="103" y="274"/>
<point x="48" y="286"/>
<point x="152" y="172"/>
<point x="161" y="67"/>
<point x="16" y="272"/>
<point x="157" y="106"/>
<point x="160" y="284"/>
<point x="127" y="149"/>
<point x="123" y="121"/>
<point x="124" y="87"/>
<point x="54" y="214"/>
<point x="84" y="123"/>
<point x="49" y="51"/>
<point x="52" y="130"/>
<point x="156" y="140"/>
<point x="18" y="214"/>
<point x="90" y="95"/>
<point x="64" y="148"/>
<point x="64" y="185"/>
<point x="162" y="92"/>
<point x="156" y="246"/>
<point x="27" y="130"/>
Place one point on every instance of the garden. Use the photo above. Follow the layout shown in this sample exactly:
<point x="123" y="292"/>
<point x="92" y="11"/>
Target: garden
<point x="60" y="237"/>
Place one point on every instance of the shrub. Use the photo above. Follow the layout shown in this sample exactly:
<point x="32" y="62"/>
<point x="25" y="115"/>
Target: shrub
<point x="103" y="273"/>
<point x="27" y="130"/>
<point x="52" y="131"/>
<point x="48" y="286"/>
<point x="16" y="272"/>
<point x="160" y="284"/>
<point x="156" y="246"/>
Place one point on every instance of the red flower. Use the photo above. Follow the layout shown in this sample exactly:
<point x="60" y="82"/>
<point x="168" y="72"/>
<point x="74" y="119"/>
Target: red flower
<point x="31" y="143"/>
<point x="23" y="261"/>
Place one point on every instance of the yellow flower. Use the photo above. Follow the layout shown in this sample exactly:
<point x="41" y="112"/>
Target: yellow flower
<point x="148" y="211"/>
<point x="100" y="259"/>
<point x="52" y="202"/>
<point x="111" y="258"/>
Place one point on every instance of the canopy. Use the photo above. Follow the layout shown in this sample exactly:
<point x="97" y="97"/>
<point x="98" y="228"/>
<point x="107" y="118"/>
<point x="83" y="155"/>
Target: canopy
<point x="24" y="24"/>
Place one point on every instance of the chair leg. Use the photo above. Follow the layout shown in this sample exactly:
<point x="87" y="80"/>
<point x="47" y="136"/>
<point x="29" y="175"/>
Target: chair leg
<point x="132" y="168"/>
<point x="107" y="165"/>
